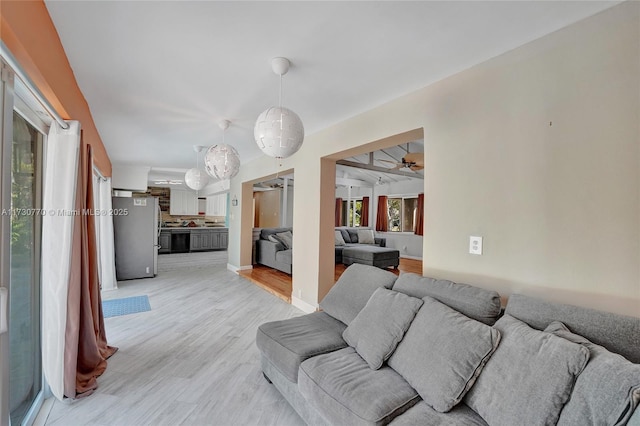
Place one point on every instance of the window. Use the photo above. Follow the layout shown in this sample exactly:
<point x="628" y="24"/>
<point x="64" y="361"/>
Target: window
<point x="402" y="213"/>
<point x="351" y="213"/>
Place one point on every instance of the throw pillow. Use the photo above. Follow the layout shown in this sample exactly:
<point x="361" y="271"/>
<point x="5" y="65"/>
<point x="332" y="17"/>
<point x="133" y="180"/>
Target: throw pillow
<point x="339" y="241"/>
<point x="529" y="378"/>
<point x="286" y="238"/>
<point x="378" y="328"/>
<point x="351" y="293"/>
<point x="608" y="390"/>
<point x="273" y="239"/>
<point x="365" y="236"/>
<point x="442" y="354"/>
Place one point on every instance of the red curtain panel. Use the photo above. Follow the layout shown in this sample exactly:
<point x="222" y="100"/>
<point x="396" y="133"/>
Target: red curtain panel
<point x="420" y="216"/>
<point x="338" y="211"/>
<point x="364" y="214"/>
<point x="382" y="218"/>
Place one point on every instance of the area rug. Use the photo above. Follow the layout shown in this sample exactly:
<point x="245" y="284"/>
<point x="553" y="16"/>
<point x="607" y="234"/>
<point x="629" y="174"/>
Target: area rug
<point x="125" y="306"/>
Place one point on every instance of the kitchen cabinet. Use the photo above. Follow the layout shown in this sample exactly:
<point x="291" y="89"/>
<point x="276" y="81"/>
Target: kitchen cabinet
<point x="217" y="205"/>
<point x="201" y="239"/>
<point x="165" y="242"/>
<point x="198" y="239"/>
<point x="183" y="202"/>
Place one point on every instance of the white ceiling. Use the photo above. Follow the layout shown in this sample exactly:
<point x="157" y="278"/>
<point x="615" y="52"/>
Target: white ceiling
<point x="158" y="76"/>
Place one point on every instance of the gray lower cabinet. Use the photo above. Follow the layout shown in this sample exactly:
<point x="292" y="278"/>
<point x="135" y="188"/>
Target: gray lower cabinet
<point x="200" y="239"/>
<point x="165" y="242"/>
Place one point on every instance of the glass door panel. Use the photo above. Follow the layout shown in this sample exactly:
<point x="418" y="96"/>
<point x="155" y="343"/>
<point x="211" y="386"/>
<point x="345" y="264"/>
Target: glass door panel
<point x="25" y="371"/>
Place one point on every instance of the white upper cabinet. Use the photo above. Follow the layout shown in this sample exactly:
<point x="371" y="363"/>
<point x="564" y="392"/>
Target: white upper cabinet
<point x="183" y="202"/>
<point x="217" y="205"/>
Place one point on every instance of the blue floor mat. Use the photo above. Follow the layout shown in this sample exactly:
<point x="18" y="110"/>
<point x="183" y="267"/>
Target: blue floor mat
<point x="125" y="306"/>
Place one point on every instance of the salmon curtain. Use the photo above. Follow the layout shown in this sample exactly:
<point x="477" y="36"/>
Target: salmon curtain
<point x="420" y="216"/>
<point x="364" y="214"/>
<point x="382" y="219"/>
<point x="86" y="348"/>
<point x="338" y="212"/>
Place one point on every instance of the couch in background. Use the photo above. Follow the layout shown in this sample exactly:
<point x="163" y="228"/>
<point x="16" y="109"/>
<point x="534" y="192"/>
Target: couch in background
<point x="272" y="252"/>
<point x="350" y="238"/>
<point x="412" y="350"/>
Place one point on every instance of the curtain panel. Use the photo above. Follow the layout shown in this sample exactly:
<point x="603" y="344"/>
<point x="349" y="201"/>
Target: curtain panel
<point x="364" y="214"/>
<point x="338" y="220"/>
<point x="106" y="243"/>
<point x="58" y="196"/>
<point x="382" y="218"/>
<point x="86" y="348"/>
<point x="420" y="216"/>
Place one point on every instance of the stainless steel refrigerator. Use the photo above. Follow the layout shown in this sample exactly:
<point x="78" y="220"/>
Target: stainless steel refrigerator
<point x="136" y="228"/>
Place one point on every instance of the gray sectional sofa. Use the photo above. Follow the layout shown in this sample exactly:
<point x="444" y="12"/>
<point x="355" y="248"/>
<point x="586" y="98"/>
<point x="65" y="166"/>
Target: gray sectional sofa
<point x="275" y="255"/>
<point x="412" y="350"/>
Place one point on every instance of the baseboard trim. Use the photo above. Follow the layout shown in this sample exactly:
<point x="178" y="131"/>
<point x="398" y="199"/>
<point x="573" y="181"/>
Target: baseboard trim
<point x="302" y="305"/>
<point x="406" y="256"/>
<point x="236" y="269"/>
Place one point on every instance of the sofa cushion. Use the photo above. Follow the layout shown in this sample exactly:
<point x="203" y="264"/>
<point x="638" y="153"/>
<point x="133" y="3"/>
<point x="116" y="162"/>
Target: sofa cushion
<point x="288" y="342"/>
<point x="477" y="303"/>
<point x="352" y="291"/>
<point x="339" y="239"/>
<point x="365" y="236"/>
<point x="606" y="392"/>
<point x="380" y="325"/>
<point x="285" y="256"/>
<point x="345" y="235"/>
<point x="353" y="235"/>
<point x="342" y="387"/>
<point x="618" y="333"/>
<point x="265" y="232"/>
<point x="442" y="353"/>
<point x="422" y="414"/>
<point x="285" y="238"/>
<point x="529" y="378"/>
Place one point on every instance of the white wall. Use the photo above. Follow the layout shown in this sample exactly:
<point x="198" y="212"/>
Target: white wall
<point x="536" y="150"/>
<point x="132" y="178"/>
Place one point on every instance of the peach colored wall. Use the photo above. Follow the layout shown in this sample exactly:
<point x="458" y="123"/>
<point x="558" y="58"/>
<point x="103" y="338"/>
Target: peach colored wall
<point x="537" y="150"/>
<point x="28" y="32"/>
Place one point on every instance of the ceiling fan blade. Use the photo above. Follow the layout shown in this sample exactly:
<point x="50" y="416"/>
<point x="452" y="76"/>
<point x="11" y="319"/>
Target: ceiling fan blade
<point x="416" y="167"/>
<point x="414" y="157"/>
<point x="388" y="161"/>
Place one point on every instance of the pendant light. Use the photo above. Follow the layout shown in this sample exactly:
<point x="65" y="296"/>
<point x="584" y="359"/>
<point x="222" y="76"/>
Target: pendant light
<point x="195" y="178"/>
<point x="222" y="161"/>
<point x="279" y="131"/>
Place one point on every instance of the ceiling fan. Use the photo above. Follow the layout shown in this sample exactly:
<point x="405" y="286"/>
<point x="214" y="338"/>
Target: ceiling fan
<point x="412" y="160"/>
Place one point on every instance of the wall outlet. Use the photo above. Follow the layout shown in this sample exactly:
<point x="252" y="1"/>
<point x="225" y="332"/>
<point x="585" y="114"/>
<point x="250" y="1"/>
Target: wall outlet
<point x="475" y="245"/>
<point x="147" y="269"/>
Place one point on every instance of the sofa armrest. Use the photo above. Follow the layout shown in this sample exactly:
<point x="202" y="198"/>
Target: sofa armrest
<point x="382" y="242"/>
<point x="266" y="250"/>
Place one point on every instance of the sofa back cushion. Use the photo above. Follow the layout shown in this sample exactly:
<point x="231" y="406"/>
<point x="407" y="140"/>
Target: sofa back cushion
<point x="264" y="233"/>
<point x="380" y="325"/>
<point x="339" y="239"/>
<point x="477" y="303"/>
<point x="365" y="236"/>
<point x="608" y="390"/>
<point x="442" y="354"/>
<point x="617" y="333"/>
<point x="529" y="378"/>
<point x="354" y="288"/>
<point x="345" y="235"/>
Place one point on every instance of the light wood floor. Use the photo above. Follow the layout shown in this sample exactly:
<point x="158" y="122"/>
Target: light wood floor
<point x="191" y="360"/>
<point x="279" y="284"/>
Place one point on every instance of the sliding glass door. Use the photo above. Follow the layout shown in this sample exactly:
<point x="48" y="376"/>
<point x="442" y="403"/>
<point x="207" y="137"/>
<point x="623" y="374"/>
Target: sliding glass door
<point x="25" y="362"/>
<point x="21" y="136"/>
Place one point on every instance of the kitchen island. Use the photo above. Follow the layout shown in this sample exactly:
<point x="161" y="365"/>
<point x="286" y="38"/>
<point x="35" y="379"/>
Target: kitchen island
<point x="192" y="239"/>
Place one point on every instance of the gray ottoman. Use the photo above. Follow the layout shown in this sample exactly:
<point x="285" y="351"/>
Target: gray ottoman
<point x="382" y="257"/>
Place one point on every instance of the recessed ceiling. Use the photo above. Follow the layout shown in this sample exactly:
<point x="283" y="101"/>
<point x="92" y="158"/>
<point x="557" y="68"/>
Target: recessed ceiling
<point x="159" y="76"/>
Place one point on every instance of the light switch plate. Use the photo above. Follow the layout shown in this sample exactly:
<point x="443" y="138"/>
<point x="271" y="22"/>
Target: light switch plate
<point x="475" y="245"/>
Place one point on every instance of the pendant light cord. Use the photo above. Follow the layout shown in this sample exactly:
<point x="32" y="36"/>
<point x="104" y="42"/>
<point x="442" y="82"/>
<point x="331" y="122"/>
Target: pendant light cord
<point x="280" y="94"/>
